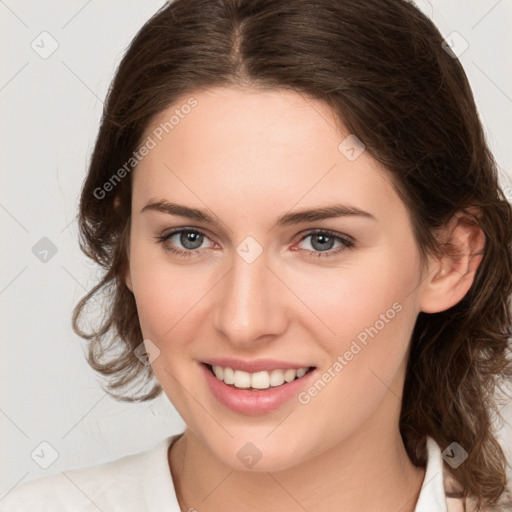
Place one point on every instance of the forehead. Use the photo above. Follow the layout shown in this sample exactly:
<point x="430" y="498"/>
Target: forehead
<point x="248" y="121"/>
<point x="256" y="148"/>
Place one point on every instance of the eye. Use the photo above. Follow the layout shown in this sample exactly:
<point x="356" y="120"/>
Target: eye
<point x="323" y="241"/>
<point x="190" y="239"/>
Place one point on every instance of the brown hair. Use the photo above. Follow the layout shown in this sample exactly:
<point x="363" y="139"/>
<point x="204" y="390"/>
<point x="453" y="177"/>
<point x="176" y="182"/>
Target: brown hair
<point x="381" y="65"/>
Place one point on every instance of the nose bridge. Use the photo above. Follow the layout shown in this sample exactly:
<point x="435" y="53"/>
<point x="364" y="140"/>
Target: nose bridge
<point x="246" y="310"/>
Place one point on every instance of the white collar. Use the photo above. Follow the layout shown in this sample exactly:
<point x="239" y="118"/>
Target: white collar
<point x="433" y="495"/>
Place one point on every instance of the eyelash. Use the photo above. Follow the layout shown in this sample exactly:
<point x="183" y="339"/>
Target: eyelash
<point x="346" y="241"/>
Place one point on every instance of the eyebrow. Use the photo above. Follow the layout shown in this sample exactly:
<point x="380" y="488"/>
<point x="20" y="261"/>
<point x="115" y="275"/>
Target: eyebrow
<point x="287" y="219"/>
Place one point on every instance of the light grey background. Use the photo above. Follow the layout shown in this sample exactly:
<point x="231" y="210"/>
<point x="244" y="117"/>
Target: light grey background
<point x="50" y="112"/>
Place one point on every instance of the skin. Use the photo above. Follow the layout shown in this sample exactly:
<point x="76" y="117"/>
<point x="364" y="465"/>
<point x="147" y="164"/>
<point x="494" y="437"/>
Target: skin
<point x="248" y="156"/>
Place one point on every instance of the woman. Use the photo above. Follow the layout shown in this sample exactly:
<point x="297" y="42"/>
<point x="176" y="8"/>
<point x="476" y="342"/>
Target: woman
<point x="307" y="247"/>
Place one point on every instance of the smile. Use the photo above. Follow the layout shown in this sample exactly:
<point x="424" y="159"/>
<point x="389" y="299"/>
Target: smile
<point x="253" y="388"/>
<point x="257" y="380"/>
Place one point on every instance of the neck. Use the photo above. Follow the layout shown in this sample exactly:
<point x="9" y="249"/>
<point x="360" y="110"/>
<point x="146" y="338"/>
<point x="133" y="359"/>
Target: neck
<point x="368" y="471"/>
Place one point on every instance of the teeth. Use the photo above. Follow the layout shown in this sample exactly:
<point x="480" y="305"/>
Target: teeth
<point x="290" y="375"/>
<point x="260" y="380"/>
<point x="219" y="372"/>
<point x="257" y="380"/>
<point x="242" y="379"/>
<point x="276" y="377"/>
<point x="229" y="375"/>
<point x="301" y="372"/>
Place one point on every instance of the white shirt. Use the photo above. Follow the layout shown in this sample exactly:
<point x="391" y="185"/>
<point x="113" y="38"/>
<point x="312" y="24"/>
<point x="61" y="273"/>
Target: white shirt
<point x="142" y="482"/>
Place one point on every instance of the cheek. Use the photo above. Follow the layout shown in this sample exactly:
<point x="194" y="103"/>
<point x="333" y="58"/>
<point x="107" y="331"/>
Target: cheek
<point x="373" y="292"/>
<point x="162" y="302"/>
<point x="372" y="311"/>
<point x="362" y="366"/>
<point x="168" y="295"/>
<point x="362" y="323"/>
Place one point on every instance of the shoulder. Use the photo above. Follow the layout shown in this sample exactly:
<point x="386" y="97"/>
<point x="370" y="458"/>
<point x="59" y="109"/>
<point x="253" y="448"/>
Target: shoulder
<point x="43" y="494"/>
<point x="119" y="485"/>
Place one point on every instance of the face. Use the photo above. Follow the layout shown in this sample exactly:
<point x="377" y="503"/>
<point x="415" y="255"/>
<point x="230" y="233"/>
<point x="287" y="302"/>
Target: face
<point x="257" y="286"/>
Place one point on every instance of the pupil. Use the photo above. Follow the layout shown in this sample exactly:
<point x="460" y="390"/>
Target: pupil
<point x="324" y="240"/>
<point x="188" y="240"/>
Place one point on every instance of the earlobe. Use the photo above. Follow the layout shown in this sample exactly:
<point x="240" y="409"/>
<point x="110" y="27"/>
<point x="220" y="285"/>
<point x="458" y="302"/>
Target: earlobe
<point x="128" y="280"/>
<point x="125" y="241"/>
<point x="452" y="274"/>
<point x="127" y="274"/>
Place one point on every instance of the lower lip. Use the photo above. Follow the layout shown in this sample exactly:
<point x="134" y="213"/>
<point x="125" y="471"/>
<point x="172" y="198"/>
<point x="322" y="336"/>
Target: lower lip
<point x="254" y="402"/>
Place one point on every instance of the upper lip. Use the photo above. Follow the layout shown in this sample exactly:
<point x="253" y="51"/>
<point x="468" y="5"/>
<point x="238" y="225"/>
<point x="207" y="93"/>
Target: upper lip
<point x="256" y="365"/>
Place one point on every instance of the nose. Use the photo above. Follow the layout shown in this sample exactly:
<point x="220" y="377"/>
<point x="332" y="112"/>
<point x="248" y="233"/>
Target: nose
<point x="251" y="304"/>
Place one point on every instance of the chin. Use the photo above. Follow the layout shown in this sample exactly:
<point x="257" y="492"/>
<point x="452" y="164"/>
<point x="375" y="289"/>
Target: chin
<point x="248" y="453"/>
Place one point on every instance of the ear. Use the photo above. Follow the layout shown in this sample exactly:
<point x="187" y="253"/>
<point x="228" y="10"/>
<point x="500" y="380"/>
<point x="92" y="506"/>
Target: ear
<point x="125" y="240"/>
<point x="452" y="274"/>
<point x="128" y="278"/>
<point x="127" y="273"/>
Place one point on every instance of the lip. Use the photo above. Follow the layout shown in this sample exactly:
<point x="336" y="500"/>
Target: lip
<point x="255" y="402"/>
<point x="256" y="365"/>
